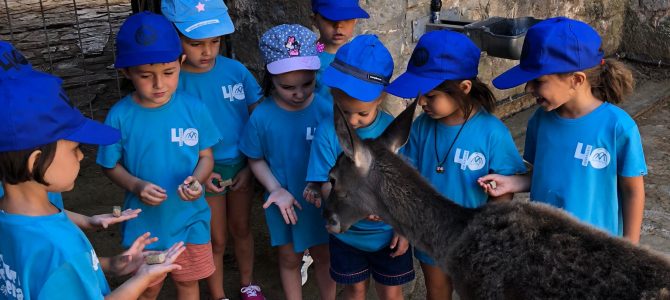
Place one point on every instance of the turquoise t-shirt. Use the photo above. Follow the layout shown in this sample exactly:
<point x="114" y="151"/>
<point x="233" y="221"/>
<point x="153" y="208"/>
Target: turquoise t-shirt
<point x="55" y="198"/>
<point x="283" y="138"/>
<point x="576" y="162"/>
<point x="161" y="145"/>
<point x="47" y="257"/>
<point x="227" y="90"/>
<point x="322" y="90"/>
<point x="364" y="235"/>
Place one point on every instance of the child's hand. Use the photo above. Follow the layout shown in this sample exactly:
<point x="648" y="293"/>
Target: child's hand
<point x="133" y="258"/>
<point x="190" y="190"/>
<point x="150" y="193"/>
<point x="211" y="187"/>
<point x="104" y="220"/>
<point x="374" y="218"/>
<point x="312" y="193"/>
<point x="496" y="185"/>
<point x="157" y="271"/>
<point x="242" y="181"/>
<point x="285" y="201"/>
<point x="400" y="244"/>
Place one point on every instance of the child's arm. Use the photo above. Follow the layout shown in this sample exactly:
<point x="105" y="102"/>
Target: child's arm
<point x="278" y="195"/>
<point x="100" y="221"/>
<point x="201" y="173"/>
<point x="130" y="260"/>
<point x="148" y="192"/>
<point x="505" y="184"/>
<point x="632" y="194"/>
<point x="313" y="192"/>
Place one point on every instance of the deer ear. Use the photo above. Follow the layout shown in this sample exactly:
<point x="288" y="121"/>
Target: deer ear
<point x="350" y="142"/>
<point x="397" y="133"/>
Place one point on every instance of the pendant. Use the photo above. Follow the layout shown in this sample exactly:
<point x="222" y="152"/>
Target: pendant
<point x="439" y="169"/>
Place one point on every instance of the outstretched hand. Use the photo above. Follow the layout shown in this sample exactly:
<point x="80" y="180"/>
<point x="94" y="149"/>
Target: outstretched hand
<point x="496" y="185"/>
<point x="105" y="220"/>
<point x="157" y="271"/>
<point x="285" y="201"/>
<point x="132" y="259"/>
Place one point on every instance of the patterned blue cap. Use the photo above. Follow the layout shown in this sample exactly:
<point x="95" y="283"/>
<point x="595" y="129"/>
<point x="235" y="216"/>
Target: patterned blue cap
<point x="146" y="38"/>
<point x="289" y="47"/>
<point x="198" y="19"/>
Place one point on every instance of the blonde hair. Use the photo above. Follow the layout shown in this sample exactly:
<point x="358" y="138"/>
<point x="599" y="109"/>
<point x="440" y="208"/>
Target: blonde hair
<point x="610" y="81"/>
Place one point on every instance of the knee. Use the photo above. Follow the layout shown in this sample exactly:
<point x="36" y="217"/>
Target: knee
<point x="240" y="230"/>
<point x="218" y="247"/>
<point x="290" y="261"/>
<point x="186" y="285"/>
<point x="357" y="290"/>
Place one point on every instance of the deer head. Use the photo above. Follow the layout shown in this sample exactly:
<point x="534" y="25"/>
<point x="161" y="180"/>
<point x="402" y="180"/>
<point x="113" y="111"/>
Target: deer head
<point x="357" y="174"/>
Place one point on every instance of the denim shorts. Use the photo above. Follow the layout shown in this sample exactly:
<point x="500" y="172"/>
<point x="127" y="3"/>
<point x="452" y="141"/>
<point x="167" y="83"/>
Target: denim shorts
<point x="349" y="265"/>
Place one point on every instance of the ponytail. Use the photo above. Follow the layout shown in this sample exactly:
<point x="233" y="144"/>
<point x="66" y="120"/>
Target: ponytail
<point x="610" y="81"/>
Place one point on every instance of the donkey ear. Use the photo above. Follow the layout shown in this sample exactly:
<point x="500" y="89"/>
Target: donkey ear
<point x="350" y="142"/>
<point x="397" y="133"/>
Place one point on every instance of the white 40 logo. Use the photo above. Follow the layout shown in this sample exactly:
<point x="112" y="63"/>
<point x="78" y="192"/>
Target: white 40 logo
<point x="183" y="136"/>
<point x="598" y="157"/>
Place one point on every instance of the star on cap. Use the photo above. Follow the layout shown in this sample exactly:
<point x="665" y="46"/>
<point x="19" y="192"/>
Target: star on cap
<point x="200" y="7"/>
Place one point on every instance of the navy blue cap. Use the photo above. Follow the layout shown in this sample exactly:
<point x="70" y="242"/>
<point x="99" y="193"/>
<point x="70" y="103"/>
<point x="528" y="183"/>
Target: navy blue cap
<point x="554" y="46"/>
<point x="198" y="19"/>
<point x="362" y="68"/>
<point x="35" y="111"/>
<point x="146" y="38"/>
<point x="339" y="10"/>
<point x="440" y="55"/>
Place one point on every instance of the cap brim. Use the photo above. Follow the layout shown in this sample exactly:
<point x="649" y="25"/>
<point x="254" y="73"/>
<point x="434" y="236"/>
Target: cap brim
<point x="294" y="64"/>
<point x="137" y="59"/>
<point x="218" y="26"/>
<point x="356" y="88"/>
<point x="514" y="77"/>
<point x="340" y="14"/>
<point x="409" y="85"/>
<point x="96" y="133"/>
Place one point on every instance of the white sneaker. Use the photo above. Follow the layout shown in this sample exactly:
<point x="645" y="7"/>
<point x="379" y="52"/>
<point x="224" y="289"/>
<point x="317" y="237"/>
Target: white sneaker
<point x="306" y="262"/>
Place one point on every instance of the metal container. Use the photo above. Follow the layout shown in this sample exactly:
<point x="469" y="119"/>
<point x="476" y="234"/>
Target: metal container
<point x="500" y="37"/>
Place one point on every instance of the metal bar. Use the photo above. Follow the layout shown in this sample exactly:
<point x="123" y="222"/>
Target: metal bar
<point x="46" y="35"/>
<point x="9" y="20"/>
<point x="111" y="36"/>
<point x="81" y="49"/>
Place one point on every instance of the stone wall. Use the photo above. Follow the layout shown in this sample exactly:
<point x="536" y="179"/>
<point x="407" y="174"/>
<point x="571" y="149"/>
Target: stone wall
<point x="647" y="30"/>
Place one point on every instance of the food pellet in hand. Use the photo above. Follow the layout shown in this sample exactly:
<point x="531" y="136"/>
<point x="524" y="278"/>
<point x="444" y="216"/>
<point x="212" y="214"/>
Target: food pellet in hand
<point x="493" y="184"/>
<point x="154" y="259"/>
<point x="116" y="211"/>
<point x="194" y="186"/>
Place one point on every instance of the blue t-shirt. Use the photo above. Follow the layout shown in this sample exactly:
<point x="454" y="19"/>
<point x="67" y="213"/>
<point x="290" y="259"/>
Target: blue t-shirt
<point x="365" y="235"/>
<point x="227" y="90"/>
<point x="576" y="162"/>
<point x="320" y="89"/>
<point x="484" y="146"/>
<point x="283" y="138"/>
<point x="47" y="257"/>
<point x="55" y="198"/>
<point x="161" y="145"/>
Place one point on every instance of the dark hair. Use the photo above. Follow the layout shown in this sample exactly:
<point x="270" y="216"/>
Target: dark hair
<point x="610" y="81"/>
<point x="267" y="85"/>
<point x="480" y="95"/>
<point x="14" y="164"/>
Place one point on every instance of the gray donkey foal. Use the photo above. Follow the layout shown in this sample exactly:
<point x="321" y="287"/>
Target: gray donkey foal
<point x="506" y="250"/>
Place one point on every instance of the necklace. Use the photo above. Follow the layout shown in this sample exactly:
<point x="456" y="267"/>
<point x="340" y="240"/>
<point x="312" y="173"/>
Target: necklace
<point x="440" y="163"/>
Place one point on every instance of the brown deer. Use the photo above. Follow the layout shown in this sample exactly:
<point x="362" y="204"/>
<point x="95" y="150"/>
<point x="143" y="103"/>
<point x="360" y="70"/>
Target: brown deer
<point x="505" y="250"/>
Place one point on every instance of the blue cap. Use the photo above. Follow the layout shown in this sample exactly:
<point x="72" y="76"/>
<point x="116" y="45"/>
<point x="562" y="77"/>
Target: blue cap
<point x="289" y="47"/>
<point x="440" y="55"/>
<point x="35" y="111"/>
<point x="199" y="19"/>
<point x="362" y="68"/>
<point x="339" y="10"/>
<point x="146" y="38"/>
<point x="554" y="46"/>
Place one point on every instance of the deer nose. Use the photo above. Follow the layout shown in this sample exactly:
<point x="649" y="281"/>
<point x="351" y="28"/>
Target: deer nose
<point x="333" y="224"/>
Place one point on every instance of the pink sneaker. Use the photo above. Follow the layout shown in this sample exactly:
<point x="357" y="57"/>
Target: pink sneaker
<point x="252" y="292"/>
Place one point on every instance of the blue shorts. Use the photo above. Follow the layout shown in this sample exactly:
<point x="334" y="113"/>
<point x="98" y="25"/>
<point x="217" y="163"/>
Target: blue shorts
<point x="349" y="265"/>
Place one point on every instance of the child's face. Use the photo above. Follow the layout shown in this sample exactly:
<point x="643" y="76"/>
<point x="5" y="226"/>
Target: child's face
<point x="334" y="33"/>
<point x="551" y="91"/>
<point x="64" y="168"/>
<point x="438" y="104"/>
<point x="200" y="53"/>
<point x="359" y="114"/>
<point x="154" y="83"/>
<point x="294" y="89"/>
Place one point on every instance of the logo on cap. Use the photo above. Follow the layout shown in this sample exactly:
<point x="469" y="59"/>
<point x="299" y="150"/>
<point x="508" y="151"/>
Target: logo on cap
<point x="12" y="59"/>
<point x="146" y="35"/>
<point x="200" y="7"/>
<point x="419" y="57"/>
<point x="293" y="46"/>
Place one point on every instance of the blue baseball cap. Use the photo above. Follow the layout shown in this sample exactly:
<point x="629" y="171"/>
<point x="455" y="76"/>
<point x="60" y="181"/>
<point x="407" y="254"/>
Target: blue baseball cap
<point x="199" y="19"/>
<point x="438" y="56"/>
<point x="35" y="111"/>
<point x="146" y="38"/>
<point x="289" y="47"/>
<point x="554" y="46"/>
<point x="361" y="68"/>
<point x="339" y="10"/>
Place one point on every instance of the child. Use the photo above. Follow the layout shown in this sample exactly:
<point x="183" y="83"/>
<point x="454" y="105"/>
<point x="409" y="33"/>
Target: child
<point x="164" y="152"/>
<point x="586" y="153"/>
<point x="43" y="255"/>
<point x="457" y="139"/>
<point x="357" y="77"/>
<point x="277" y="139"/>
<point x="335" y="20"/>
<point x="230" y="92"/>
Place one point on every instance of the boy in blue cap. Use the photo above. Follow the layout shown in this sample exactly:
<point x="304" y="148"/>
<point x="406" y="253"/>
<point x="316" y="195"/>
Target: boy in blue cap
<point x="165" y="150"/>
<point x="586" y="153"/>
<point x="230" y="93"/>
<point x="43" y="255"/>
<point x="457" y="139"/>
<point x="357" y="78"/>
<point x="335" y="20"/>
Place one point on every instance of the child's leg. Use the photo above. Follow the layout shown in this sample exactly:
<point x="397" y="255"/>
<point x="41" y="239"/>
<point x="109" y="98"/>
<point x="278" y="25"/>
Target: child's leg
<point x="239" y="206"/>
<point x="390" y="273"/>
<point x="187" y="290"/>
<point x="196" y="263"/>
<point x="356" y="291"/>
<point x="151" y="293"/>
<point x="217" y="205"/>
<point x="388" y="292"/>
<point x="321" y="256"/>
<point x="289" y="271"/>
<point x="438" y="284"/>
